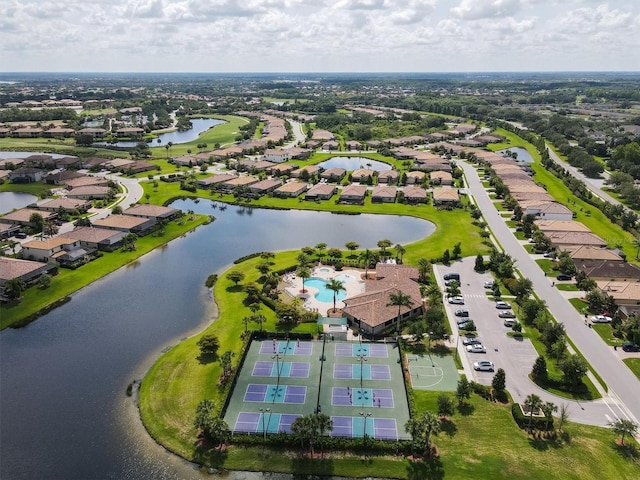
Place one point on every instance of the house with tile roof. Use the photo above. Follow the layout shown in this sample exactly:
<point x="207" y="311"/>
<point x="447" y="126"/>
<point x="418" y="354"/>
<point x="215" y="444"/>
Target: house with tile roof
<point x="321" y="191"/>
<point x="383" y="194"/>
<point x="26" y="270"/>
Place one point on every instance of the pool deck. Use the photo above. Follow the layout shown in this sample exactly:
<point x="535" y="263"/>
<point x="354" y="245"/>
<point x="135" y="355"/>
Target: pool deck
<point x="294" y="287"/>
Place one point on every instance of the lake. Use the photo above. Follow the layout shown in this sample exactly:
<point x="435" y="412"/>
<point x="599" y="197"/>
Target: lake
<point x="63" y="406"/>
<point x="199" y="126"/>
<point x="353" y="163"/>
<point x="14" y="200"/>
<point x="522" y="154"/>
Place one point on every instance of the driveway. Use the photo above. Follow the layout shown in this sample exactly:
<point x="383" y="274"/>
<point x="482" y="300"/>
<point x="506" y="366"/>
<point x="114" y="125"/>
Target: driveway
<point x="622" y="399"/>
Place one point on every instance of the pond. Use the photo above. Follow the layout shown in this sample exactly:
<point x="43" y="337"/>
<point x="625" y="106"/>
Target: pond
<point x="199" y="126"/>
<point x="522" y="155"/>
<point x="14" y="200"/>
<point x="62" y="390"/>
<point x="353" y="163"/>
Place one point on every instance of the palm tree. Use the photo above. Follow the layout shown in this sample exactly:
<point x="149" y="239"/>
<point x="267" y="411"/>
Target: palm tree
<point x="399" y="299"/>
<point x="383" y="245"/>
<point x="424" y="267"/>
<point x="624" y="427"/>
<point x="323" y="424"/>
<point x="414" y="428"/>
<point x="400" y="251"/>
<point x="431" y="425"/>
<point x="636" y="244"/>
<point x="336" y="286"/>
<point x="366" y="257"/>
<point x="303" y="272"/>
<point x="564" y="416"/>
<point x="246" y="321"/>
<point x="533" y="403"/>
<point x="548" y="408"/>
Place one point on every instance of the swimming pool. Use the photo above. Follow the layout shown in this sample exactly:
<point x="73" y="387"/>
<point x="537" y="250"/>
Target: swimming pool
<point x="325" y="270"/>
<point x="324" y="294"/>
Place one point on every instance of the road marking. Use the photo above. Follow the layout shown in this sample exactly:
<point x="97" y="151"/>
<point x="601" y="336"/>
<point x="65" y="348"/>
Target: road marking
<point x="608" y="418"/>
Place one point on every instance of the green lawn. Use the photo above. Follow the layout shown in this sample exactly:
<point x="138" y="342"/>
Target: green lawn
<point x="567" y="287"/>
<point x="39" y="189"/>
<point x="634" y="365"/>
<point x="606" y="333"/>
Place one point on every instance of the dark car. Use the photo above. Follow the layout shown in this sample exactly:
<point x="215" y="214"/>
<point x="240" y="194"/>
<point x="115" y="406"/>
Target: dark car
<point x="630" y="347"/>
<point x="21" y="235"/>
<point x="462" y="313"/>
<point x="452" y="276"/>
<point x="564" y="276"/>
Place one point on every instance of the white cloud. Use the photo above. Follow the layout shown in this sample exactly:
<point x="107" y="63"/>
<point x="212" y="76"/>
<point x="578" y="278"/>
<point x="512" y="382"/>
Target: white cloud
<point x="477" y="9"/>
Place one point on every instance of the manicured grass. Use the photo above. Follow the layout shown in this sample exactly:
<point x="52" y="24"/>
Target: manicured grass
<point x="447" y="222"/>
<point x="606" y="333"/>
<point x="38" y="188"/>
<point x="580" y="305"/>
<point x="68" y="281"/>
<point x="223" y="134"/>
<point x="567" y="287"/>
<point x="634" y="365"/>
<point x="50" y="145"/>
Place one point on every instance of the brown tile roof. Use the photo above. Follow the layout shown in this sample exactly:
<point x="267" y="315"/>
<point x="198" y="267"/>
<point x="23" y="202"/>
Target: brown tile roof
<point x="23" y="215"/>
<point x="445" y="194"/>
<point x="575" y="238"/>
<point x="561" y="226"/>
<point x="384" y="191"/>
<point x="120" y="221"/>
<point x="11" y="268"/>
<point x="48" y="243"/>
<point x="151" y="211"/>
<point x="589" y="252"/>
<point x="93" y="234"/>
<point x="412" y="192"/>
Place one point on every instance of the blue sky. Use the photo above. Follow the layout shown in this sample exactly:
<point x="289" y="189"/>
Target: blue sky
<point x="319" y="35"/>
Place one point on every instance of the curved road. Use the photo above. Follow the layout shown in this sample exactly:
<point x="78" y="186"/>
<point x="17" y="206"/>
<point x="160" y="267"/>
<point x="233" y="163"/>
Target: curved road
<point x="621" y="401"/>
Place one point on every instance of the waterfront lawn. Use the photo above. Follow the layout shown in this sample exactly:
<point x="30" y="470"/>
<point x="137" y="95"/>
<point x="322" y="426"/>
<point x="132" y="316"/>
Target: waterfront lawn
<point x="39" y="189"/>
<point x="35" y="300"/>
<point x="224" y="134"/>
<point x="62" y="146"/>
<point x="446" y="235"/>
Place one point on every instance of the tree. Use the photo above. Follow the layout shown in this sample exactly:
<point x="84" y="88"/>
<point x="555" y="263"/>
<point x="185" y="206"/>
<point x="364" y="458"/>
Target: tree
<point x="235" y="276"/>
<point x="226" y="362"/>
<point x="323" y="424"/>
<point x="399" y="299"/>
<point x="400" y="251"/>
<point x="37" y="222"/>
<point x="574" y="368"/>
<point x="522" y="289"/>
<point x="499" y="381"/>
<point x="213" y="428"/>
<point x="352" y="246"/>
<point x="208" y="344"/>
<point x="548" y="408"/>
<point x="457" y="251"/>
<point x="306" y="428"/>
<point x="564" y="416"/>
<point x="383" y="245"/>
<point x="129" y="242"/>
<point x="44" y="281"/>
<point x="445" y="405"/>
<point x="303" y="272"/>
<point x="446" y="257"/>
<point x="424" y="268"/>
<point x="246" y="321"/>
<point x="479" y="266"/>
<point x="532" y="403"/>
<point x="336" y="286"/>
<point x="13" y="288"/>
<point x="624" y="427"/>
<point x="366" y="257"/>
<point x="539" y="371"/>
<point x="552" y="332"/>
<point x="431" y="426"/>
<point x="463" y="390"/>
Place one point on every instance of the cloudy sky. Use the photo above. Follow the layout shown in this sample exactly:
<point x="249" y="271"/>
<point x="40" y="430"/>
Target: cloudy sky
<point x="319" y="35"/>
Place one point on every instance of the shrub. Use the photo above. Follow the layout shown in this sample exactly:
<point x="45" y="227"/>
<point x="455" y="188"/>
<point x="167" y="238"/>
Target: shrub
<point x="537" y="422"/>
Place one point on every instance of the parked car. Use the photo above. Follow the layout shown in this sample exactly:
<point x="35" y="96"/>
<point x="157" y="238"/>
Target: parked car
<point x="630" y="347"/>
<point x="600" y="319"/>
<point x="489" y="284"/>
<point x="507" y="314"/>
<point x="462" y="312"/>
<point x="456" y="300"/>
<point x="510" y="322"/>
<point x="476" y="348"/>
<point x="564" y="276"/>
<point x="21" y="235"/>
<point x="450" y="282"/>
<point x="519" y="229"/>
<point x="484" y="365"/>
<point x="503" y="306"/>
<point x="452" y="276"/>
<point x="471" y="341"/>
<point x="550" y="254"/>
<point x="466" y="325"/>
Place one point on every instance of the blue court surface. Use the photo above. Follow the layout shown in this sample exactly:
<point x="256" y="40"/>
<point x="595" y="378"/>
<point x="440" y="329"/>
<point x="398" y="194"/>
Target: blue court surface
<point x="286" y="347"/>
<point x="351" y="371"/>
<point x="365" y="350"/>
<point x="366" y="397"/>
<point x="275" y="393"/>
<point x="356" y="427"/>
<point x="250" y="422"/>
<point x="287" y="369"/>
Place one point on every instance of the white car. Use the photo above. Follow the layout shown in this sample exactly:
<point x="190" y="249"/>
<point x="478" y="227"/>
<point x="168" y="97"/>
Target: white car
<point x="484" y="365"/>
<point x="503" y="306"/>
<point x="489" y="284"/>
<point x="477" y="348"/>
<point x="456" y="300"/>
<point x="601" y="319"/>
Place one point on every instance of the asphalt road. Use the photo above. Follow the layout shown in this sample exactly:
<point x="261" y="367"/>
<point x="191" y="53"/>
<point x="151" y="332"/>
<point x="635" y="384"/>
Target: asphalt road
<point x="622" y="400"/>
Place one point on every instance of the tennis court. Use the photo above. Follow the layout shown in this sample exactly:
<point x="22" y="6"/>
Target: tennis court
<point x="359" y="385"/>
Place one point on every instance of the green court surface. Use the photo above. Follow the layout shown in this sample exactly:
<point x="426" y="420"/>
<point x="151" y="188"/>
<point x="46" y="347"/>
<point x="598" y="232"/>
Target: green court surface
<point x="359" y="385"/>
<point x="433" y="372"/>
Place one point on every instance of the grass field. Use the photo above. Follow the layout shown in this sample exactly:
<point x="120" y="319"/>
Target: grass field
<point x="634" y="365"/>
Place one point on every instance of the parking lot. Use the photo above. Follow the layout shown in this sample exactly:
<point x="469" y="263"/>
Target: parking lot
<point x="514" y="356"/>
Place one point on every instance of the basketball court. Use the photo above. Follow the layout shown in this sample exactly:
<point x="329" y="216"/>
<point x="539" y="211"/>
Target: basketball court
<point x="433" y="372"/>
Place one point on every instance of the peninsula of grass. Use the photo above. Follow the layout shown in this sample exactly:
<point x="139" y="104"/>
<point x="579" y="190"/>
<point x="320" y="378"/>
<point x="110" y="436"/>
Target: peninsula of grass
<point x="484" y="442"/>
<point x="36" y="301"/>
<point x="634" y="365"/>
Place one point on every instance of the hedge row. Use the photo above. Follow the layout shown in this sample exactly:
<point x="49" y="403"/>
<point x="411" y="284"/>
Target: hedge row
<point x="537" y="423"/>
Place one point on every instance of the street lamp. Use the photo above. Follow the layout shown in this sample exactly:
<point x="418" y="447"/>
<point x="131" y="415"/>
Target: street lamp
<point x="429" y="347"/>
<point x="263" y="412"/>
<point x="364" y="426"/>
<point x="277" y="356"/>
